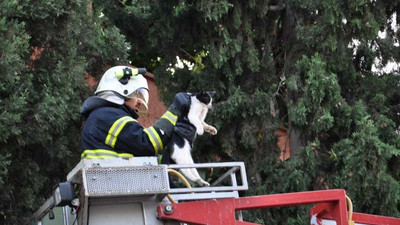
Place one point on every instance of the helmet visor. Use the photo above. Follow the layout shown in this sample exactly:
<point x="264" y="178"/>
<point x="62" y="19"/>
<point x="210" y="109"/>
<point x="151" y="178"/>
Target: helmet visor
<point x="142" y="96"/>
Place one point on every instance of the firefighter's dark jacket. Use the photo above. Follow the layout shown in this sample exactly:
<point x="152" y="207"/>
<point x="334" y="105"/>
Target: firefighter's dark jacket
<point x="111" y="130"/>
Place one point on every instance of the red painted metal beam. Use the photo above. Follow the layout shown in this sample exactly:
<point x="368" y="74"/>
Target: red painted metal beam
<point x="324" y="211"/>
<point x="222" y="211"/>
<point x="211" y="212"/>
<point x="289" y="199"/>
<point x="374" y="219"/>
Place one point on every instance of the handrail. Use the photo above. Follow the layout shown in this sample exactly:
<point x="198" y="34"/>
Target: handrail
<point x="216" y="190"/>
<point x="225" y="175"/>
<point x="235" y="167"/>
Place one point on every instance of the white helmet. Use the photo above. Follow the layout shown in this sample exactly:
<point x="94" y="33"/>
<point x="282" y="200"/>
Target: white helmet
<point x="126" y="82"/>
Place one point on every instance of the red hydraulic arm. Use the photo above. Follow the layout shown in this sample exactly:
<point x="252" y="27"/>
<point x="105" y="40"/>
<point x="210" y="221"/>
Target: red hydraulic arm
<point x="331" y="204"/>
<point x="322" y="211"/>
<point x="222" y="211"/>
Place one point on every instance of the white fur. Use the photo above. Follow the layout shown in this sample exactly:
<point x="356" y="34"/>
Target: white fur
<point x="183" y="156"/>
<point x="196" y="115"/>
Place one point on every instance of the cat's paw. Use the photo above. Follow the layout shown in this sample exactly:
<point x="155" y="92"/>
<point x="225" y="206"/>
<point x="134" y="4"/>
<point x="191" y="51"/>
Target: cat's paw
<point x="203" y="183"/>
<point x="212" y="130"/>
<point x="200" y="131"/>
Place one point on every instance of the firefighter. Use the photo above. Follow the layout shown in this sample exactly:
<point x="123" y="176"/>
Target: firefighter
<point x="111" y="128"/>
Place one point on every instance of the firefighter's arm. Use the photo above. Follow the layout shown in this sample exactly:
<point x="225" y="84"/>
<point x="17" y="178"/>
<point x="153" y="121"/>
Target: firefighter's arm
<point x="139" y="141"/>
<point x="152" y="140"/>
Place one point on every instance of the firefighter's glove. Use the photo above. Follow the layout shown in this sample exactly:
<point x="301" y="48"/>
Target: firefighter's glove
<point x="178" y="109"/>
<point x="181" y="104"/>
<point x="185" y="129"/>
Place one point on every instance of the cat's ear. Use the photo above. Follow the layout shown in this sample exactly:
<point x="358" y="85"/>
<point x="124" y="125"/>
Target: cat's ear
<point x="211" y="93"/>
<point x="198" y="94"/>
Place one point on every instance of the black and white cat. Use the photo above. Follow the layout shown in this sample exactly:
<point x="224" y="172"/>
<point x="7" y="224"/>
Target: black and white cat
<point x="180" y="147"/>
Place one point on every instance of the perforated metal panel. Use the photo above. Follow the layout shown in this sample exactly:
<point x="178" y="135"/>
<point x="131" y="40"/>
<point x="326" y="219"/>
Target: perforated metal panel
<point x="121" y="181"/>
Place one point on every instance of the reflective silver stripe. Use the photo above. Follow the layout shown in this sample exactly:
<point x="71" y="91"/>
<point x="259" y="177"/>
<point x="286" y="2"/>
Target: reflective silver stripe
<point x="170" y="117"/>
<point x="103" y="153"/>
<point x="154" y="139"/>
<point x="116" y="129"/>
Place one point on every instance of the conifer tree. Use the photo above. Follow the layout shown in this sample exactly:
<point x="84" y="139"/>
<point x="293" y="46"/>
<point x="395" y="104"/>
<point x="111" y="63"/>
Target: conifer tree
<point x="46" y="47"/>
<point x="314" y="67"/>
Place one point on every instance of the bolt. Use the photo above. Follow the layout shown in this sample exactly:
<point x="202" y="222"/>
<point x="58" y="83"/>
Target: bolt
<point x="51" y="215"/>
<point x="168" y="209"/>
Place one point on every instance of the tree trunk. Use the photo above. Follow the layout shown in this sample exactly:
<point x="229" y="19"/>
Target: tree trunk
<point x="295" y="138"/>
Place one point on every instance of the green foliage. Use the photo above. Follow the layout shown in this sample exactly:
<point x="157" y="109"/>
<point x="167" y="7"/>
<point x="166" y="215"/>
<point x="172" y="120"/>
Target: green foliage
<point x="14" y="96"/>
<point x="309" y="68"/>
<point x="298" y="113"/>
<point x="214" y="10"/>
<point x="45" y="48"/>
<point x="363" y="159"/>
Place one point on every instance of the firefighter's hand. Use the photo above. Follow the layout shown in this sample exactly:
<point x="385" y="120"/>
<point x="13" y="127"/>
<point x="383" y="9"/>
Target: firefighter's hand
<point x="181" y="104"/>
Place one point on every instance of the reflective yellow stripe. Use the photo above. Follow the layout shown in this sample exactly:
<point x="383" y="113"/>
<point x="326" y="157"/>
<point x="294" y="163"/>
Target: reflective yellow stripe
<point x="127" y="71"/>
<point x="103" y="154"/>
<point x="170" y="117"/>
<point x="135" y="71"/>
<point x="116" y="129"/>
<point x="155" y="139"/>
<point x="159" y="141"/>
<point x="125" y="155"/>
<point x="119" y="73"/>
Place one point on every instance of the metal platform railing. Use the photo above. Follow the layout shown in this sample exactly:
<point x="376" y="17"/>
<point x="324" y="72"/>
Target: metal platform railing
<point x="141" y="179"/>
<point x="234" y="167"/>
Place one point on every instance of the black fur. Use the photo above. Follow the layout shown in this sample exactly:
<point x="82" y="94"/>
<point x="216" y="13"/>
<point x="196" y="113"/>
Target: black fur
<point x="184" y="129"/>
<point x="204" y="96"/>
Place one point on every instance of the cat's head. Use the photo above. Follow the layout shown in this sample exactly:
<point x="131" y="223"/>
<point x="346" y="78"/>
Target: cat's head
<point x="205" y="97"/>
